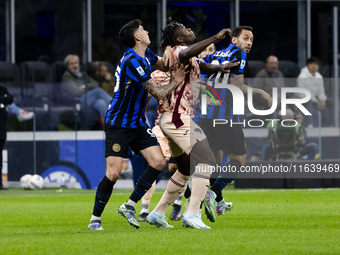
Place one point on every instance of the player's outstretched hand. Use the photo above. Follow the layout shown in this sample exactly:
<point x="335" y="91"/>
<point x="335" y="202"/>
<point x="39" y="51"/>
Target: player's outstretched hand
<point x="226" y="67"/>
<point x="179" y="73"/>
<point x="222" y="34"/>
<point x="168" y="57"/>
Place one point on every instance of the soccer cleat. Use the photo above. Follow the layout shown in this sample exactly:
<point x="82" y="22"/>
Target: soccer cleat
<point x="210" y="204"/>
<point x="128" y="212"/>
<point x="95" y="225"/>
<point x="223" y="206"/>
<point x="158" y="219"/>
<point x="193" y="220"/>
<point x="142" y="216"/>
<point x="25" y="115"/>
<point x="175" y="212"/>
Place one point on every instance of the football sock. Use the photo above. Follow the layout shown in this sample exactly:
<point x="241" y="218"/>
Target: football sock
<point x="145" y="208"/>
<point x="200" y="184"/>
<point x="103" y="195"/>
<point x="187" y="192"/>
<point x="143" y="184"/>
<point x="222" y="182"/>
<point x="174" y="188"/>
<point x="178" y="200"/>
<point x="219" y="196"/>
<point x="148" y="195"/>
<point x="95" y="218"/>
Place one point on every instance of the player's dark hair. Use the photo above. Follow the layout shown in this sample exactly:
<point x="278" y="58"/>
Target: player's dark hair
<point x="169" y="35"/>
<point x="127" y="31"/>
<point x="238" y="30"/>
<point x="312" y="60"/>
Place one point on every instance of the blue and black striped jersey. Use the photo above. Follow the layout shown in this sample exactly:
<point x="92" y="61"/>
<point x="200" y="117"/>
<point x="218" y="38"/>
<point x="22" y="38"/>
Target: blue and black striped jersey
<point x="128" y="104"/>
<point x="221" y="57"/>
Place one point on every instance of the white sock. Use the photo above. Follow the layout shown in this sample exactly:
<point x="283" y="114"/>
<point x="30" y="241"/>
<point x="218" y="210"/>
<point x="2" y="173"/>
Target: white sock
<point x="145" y="209"/>
<point x="178" y="201"/>
<point x="95" y="218"/>
<point x="130" y="202"/>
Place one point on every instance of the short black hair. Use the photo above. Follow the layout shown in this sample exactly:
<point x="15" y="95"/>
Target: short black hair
<point x="127" y="31"/>
<point x="238" y="30"/>
<point x="312" y="60"/>
<point x="169" y="34"/>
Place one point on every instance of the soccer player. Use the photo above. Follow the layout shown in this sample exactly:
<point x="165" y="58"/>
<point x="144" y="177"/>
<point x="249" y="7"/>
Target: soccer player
<point x="226" y="137"/>
<point x="161" y="79"/>
<point x="186" y="139"/>
<point x="125" y="124"/>
<point x="222" y="206"/>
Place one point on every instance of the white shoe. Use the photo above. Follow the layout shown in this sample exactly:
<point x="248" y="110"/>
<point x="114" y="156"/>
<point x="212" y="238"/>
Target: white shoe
<point x="158" y="219"/>
<point x="25" y="115"/>
<point x="193" y="220"/>
<point x="95" y="225"/>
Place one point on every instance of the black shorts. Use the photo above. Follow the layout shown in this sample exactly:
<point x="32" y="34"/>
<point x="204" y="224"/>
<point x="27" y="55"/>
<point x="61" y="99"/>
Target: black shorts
<point x="224" y="137"/>
<point x="118" y="140"/>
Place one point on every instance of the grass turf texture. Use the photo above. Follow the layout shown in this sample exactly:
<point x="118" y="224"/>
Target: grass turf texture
<point x="261" y="222"/>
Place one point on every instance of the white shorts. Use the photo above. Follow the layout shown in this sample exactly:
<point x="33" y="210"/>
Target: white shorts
<point x="180" y="139"/>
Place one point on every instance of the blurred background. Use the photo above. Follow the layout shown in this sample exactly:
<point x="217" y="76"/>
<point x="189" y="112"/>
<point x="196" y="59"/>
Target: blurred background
<point x="37" y="35"/>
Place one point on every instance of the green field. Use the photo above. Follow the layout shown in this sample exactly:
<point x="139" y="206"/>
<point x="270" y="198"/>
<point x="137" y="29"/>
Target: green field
<point x="261" y="222"/>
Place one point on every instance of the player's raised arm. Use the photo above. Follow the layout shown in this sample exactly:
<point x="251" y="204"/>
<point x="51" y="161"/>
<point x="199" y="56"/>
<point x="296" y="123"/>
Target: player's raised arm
<point x="159" y="92"/>
<point x="211" y="68"/>
<point x="195" y="49"/>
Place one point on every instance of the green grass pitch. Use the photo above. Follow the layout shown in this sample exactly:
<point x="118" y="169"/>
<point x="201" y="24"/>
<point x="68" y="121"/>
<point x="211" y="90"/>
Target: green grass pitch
<point x="261" y="222"/>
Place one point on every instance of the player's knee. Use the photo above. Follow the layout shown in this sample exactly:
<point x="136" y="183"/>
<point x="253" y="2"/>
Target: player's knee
<point x="201" y="153"/>
<point x="112" y="175"/>
<point x="158" y="163"/>
<point x="113" y="170"/>
<point x="172" y="167"/>
<point x="235" y="163"/>
<point x="240" y="159"/>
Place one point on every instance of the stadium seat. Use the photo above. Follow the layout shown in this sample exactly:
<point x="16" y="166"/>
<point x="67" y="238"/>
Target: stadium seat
<point x="254" y="66"/>
<point x="36" y="82"/>
<point x="290" y="72"/>
<point x="10" y="78"/>
<point x="58" y="69"/>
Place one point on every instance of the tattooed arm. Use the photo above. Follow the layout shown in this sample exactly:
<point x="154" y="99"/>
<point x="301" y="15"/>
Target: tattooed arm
<point x="176" y="78"/>
<point x="237" y="80"/>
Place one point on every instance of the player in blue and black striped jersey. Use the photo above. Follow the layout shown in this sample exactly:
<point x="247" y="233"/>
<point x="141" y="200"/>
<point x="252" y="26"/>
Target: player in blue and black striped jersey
<point x="125" y="124"/>
<point x="230" y="139"/>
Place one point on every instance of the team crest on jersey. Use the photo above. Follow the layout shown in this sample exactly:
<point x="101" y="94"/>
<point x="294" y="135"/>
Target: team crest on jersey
<point x="140" y="71"/>
<point x="116" y="147"/>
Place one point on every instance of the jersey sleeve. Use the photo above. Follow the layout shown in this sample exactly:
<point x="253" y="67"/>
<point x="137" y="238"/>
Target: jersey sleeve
<point x="242" y="57"/>
<point x="153" y="58"/>
<point x="136" y="72"/>
<point x="208" y="58"/>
